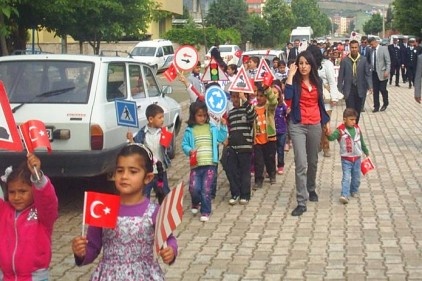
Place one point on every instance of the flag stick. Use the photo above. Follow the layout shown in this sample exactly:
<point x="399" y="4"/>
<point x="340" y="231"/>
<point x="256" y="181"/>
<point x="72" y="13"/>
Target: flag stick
<point x="83" y="214"/>
<point x="26" y="147"/>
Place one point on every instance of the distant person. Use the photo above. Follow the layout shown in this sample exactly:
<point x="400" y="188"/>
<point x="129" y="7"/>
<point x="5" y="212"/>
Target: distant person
<point x="294" y="52"/>
<point x="350" y="138"/>
<point x="411" y="61"/>
<point x="396" y="61"/>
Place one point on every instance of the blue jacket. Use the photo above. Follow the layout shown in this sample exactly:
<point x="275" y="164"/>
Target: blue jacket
<point x="293" y="92"/>
<point x="140" y="138"/>
<point x="219" y="134"/>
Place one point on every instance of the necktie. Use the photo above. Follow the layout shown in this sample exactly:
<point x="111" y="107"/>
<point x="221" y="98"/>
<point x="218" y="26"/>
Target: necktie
<point x="375" y="59"/>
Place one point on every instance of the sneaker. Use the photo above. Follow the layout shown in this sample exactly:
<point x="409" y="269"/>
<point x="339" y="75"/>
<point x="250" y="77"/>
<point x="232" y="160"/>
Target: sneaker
<point x="355" y="194"/>
<point x="273" y="180"/>
<point x="194" y="209"/>
<point x="286" y="147"/>
<point x="204" y="218"/>
<point x="343" y="200"/>
<point x="280" y="170"/>
<point x="298" y="211"/>
<point x="243" y="201"/>
<point x="313" y="196"/>
<point x="234" y="200"/>
<point x="258" y="185"/>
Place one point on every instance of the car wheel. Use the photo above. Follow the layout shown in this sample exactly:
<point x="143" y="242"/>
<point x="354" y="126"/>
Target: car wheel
<point x="171" y="150"/>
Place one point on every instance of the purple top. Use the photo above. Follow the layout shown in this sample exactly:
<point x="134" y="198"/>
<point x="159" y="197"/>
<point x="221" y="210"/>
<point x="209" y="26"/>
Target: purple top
<point x="94" y="234"/>
<point x="280" y="119"/>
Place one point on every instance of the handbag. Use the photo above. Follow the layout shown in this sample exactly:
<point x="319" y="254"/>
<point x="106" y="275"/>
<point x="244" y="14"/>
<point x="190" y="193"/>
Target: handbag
<point x="326" y="93"/>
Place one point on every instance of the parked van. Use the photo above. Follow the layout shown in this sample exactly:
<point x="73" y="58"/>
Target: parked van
<point x="156" y="53"/>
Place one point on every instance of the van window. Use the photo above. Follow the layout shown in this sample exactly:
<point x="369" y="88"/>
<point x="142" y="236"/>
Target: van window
<point x="144" y="51"/>
<point x="168" y="50"/>
<point x="116" y="82"/>
<point x="160" y="52"/>
<point x="136" y="82"/>
<point x="47" y="81"/>
<point x="150" y="83"/>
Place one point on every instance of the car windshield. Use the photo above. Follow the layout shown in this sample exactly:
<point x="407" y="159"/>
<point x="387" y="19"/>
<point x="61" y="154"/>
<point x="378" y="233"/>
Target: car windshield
<point x="223" y="49"/>
<point x="144" y="51"/>
<point x="46" y="81"/>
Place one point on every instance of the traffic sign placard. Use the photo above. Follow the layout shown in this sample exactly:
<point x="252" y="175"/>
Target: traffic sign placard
<point x="126" y="113"/>
<point x="241" y="82"/>
<point x="186" y="58"/>
<point x="216" y="101"/>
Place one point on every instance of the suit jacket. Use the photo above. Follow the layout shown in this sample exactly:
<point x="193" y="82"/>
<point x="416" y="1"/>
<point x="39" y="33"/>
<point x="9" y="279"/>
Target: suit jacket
<point x="395" y="55"/>
<point x="345" y="76"/>
<point x="418" y="77"/>
<point x="383" y="62"/>
<point x="292" y="53"/>
<point x="411" y="57"/>
<point x="364" y="51"/>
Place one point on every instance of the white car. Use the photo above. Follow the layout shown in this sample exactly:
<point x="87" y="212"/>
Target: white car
<point x="157" y="53"/>
<point x="229" y="53"/>
<point x="74" y="96"/>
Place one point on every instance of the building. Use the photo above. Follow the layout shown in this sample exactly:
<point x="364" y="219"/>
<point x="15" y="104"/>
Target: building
<point x="342" y="24"/>
<point x="255" y="6"/>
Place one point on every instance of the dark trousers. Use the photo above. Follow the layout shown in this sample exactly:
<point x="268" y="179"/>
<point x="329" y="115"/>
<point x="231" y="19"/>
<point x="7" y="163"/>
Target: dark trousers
<point x="354" y="101"/>
<point x="281" y="141"/>
<point x="410" y="75"/>
<point x="379" y="86"/>
<point x="403" y="74"/>
<point x="264" y="155"/>
<point x="395" y="70"/>
<point x="238" y="173"/>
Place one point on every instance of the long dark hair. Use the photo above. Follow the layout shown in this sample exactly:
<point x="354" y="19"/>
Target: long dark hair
<point x="193" y="109"/>
<point x="313" y="75"/>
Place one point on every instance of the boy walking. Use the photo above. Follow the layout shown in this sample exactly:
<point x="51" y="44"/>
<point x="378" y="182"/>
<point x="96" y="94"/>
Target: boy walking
<point x="239" y="148"/>
<point x="150" y="136"/>
<point x="349" y="136"/>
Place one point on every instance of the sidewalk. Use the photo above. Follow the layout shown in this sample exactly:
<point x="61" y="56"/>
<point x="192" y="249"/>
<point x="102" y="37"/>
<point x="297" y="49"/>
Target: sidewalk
<point x="375" y="237"/>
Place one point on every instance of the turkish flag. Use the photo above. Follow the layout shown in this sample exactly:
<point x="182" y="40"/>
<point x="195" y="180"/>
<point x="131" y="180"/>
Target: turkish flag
<point x="366" y="166"/>
<point x="166" y="137"/>
<point x="171" y="73"/>
<point x="268" y="79"/>
<point x="9" y="135"/>
<point x="238" y="53"/>
<point x="101" y="209"/>
<point x="35" y="135"/>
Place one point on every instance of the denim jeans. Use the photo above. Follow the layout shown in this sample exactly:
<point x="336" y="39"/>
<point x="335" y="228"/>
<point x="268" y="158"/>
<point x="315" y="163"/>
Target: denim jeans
<point x="281" y="141"/>
<point x="200" y="187"/>
<point x="351" y="177"/>
<point x="153" y="185"/>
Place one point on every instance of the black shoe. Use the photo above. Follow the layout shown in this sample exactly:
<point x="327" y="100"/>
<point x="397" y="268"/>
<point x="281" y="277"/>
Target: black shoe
<point x="383" y="108"/>
<point x="313" y="197"/>
<point x="375" y="110"/>
<point x="298" y="211"/>
<point x="410" y="86"/>
<point x="397" y="85"/>
<point x="273" y="180"/>
<point x="258" y="185"/>
<point x="363" y="110"/>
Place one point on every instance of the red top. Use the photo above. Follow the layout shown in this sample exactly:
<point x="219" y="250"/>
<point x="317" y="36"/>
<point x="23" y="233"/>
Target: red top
<point x="309" y="109"/>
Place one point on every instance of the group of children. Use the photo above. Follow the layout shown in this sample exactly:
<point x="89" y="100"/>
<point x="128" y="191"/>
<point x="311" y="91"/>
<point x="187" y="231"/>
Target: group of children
<point x="253" y="131"/>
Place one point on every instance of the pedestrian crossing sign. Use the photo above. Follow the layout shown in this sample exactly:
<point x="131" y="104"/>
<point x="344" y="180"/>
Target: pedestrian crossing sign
<point x="126" y="113"/>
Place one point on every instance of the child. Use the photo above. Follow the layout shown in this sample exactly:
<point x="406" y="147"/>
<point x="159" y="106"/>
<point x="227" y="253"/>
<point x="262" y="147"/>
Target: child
<point x="150" y="135"/>
<point x="351" y="142"/>
<point x="264" y="135"/>
<point x="27" y="217"/>
<point x="282" y="71"/>
<point x="253" y="64"/>
<point x="128" y="248"/>
<point x="194" y="86"/>
<point x="281" y="129"/>
<point x="200" y="143"/>
<point x="239" y="148"/>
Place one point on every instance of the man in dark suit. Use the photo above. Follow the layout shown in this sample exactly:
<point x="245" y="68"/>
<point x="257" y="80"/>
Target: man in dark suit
<point x="396" y="60"/>
<point x="364" y="50"/>
<point x="354" y="78"/>
<point x="403" y="48"/>
<point x="380" y="65"/>
<point x="411" y="61"/>
<point x="294" y="52"/>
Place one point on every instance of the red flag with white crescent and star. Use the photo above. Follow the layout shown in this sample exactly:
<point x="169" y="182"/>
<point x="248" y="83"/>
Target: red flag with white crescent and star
<point x="366" y="165"/>
<point x="166" y="137"/>
<point x="35" y="135"/>
<point x="171" y="73"/>
<point x="101" y="209"/>
<point x="169" y="217"/>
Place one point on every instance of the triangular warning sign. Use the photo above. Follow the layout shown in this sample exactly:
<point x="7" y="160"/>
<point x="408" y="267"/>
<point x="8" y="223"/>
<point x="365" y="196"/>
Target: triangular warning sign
<point x="213" y="72"/>
<point x="241" y="82"/>
<point x="262" y="68"/>
<point x="126" y="116"/>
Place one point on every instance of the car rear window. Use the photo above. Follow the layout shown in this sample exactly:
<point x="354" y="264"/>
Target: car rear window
<point x="225" y="49"/>
<point x="144" y="51"/>
<point x="47" y="81"/>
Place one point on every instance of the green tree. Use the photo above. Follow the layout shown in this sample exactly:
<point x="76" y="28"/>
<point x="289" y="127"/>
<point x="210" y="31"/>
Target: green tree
<point x="373" y="25"/>
<point x="260" y="35"/>
<point x="279" y="18"/>
<point x="407" y="17"/>
<point x="6" y="11"/>
<point x="229" y="14"/>
<point x="308" y="13"/>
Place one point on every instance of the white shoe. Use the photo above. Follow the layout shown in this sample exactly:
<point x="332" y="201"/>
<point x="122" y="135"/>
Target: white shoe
<point x="243" y="201"/>
<point x="343" y="200"/>
<point x="204" y="218"/>
<point x="234" y="200"/>
<point x="194" y="211"/>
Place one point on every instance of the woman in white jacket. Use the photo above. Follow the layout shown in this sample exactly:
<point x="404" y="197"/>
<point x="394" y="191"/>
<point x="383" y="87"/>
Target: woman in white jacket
<point x="331" y="95"/>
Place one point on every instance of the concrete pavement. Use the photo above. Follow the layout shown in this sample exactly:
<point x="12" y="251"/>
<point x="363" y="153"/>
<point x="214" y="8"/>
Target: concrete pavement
<point x="377" y="236"/>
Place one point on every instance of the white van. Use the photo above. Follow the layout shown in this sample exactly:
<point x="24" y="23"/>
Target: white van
<point x="156" y="53"/>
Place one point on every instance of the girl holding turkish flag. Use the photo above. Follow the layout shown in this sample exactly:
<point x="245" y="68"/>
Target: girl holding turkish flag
<point x="27" y="216"/>
<point x="128" y="248"/>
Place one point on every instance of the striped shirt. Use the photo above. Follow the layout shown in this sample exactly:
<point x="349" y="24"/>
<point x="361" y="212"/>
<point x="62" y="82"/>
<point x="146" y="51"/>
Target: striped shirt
<point x="240" y="127"/>
<point x="203" y="143"/>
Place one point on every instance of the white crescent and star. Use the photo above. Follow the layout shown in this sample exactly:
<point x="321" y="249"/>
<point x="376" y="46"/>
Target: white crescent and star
<point x="94" y="204"/>
<point x="40" y="132"/>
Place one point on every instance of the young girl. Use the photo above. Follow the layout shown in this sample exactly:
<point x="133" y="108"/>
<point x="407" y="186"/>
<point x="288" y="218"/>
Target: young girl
<point x="27" y="216"/>
<point x="128" y="248"/>
<point x="281" y="129"/>
<point x="200" y="142"/>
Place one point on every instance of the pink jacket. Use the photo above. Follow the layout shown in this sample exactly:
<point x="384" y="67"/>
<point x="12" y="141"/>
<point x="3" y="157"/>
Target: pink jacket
<point x="26" y="238"/>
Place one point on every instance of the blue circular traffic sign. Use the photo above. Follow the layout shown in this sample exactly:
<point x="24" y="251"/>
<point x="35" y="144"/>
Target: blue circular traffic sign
<point x="216" y="100"/>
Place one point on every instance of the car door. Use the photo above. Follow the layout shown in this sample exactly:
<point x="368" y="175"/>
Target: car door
<point x="160" y="58"/>
<point x="138" y="92"/>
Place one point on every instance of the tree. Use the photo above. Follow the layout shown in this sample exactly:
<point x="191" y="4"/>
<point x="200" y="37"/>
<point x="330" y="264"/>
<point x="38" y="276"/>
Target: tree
<point x="407" y="17"/>
<point x="229" y="14"/>
<point x="6" y="10"/>
<point x="279" y="18"/>
<point x="260" y="35"/>
<point x="308" y="13"/>
<point x="373" y="25"/>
